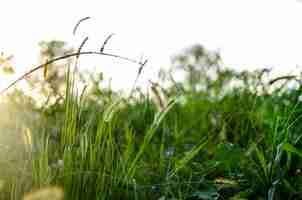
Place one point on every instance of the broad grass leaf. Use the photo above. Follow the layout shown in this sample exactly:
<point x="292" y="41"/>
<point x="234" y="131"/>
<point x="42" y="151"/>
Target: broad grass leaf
<point x="111" y="109"/>
<point x="189" y="156"/>
<point x="290" y="148"/>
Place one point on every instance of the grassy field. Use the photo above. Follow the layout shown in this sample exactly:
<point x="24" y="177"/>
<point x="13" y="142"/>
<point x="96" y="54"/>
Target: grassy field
<point x="242" y="142"/>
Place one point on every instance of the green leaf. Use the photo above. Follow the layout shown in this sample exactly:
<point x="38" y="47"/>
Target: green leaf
<point x="262" y="161"/>
<point x="189" y="156"/>
<point x="111" y="110"/>
<point x="290" y="148"/>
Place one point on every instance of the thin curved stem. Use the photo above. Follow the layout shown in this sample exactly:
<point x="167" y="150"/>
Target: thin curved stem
<point x="65" y="57"/>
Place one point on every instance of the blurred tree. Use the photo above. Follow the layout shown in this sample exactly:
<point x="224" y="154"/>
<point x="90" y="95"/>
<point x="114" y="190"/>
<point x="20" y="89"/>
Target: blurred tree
<point x="203" y="73"/>
<point x="5" y="64"/>
<point x="52" y="82"/>
<point x="203" y="70"/>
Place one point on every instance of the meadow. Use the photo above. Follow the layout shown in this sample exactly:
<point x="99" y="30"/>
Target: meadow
<point x="218" y="134"/>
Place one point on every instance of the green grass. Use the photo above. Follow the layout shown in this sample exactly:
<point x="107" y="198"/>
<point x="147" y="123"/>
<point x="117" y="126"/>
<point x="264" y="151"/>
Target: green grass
<point x="242" y="145"/>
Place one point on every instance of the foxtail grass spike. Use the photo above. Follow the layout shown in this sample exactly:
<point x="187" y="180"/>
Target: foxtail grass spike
<point x="78" y="24"/>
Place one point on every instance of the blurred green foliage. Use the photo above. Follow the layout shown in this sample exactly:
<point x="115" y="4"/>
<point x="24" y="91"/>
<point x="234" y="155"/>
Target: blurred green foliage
<point x="216" y="134"/>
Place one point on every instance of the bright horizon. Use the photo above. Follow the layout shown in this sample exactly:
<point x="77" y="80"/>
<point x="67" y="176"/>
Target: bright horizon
<point x="248" y="34"/>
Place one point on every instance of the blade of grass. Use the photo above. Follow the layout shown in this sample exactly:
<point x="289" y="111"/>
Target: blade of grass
<point x="188" y="157"/>
<point x="290" y="148"/>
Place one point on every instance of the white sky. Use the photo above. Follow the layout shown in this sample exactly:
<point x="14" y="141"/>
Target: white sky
<point x="248" y="33"/>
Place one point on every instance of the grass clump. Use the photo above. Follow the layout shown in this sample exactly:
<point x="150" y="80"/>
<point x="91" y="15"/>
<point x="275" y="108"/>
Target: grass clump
<point x="207" y="139"/>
